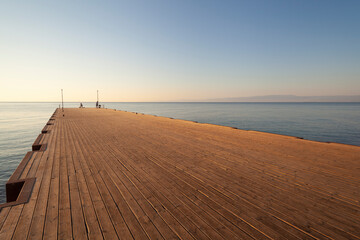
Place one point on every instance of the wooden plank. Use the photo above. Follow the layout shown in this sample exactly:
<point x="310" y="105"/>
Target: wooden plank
<point x="77" y="215"/>
<point x="91" y="222"/>
<point x="19" y="170"/>
<point x="65" y="227"/>
<point x="132" y="223"/>
<point x="10" y="223"/>
<point x="100" y="209"/>
<point x="52" y="211"/>
<point x="3" y="215"/>
<point x="138" y="204"/>
<point x="118" y="221"/>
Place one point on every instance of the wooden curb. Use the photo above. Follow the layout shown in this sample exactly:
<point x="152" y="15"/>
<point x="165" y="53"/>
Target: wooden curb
<point x="18" y="191"/>
<point x="37" y="146"/>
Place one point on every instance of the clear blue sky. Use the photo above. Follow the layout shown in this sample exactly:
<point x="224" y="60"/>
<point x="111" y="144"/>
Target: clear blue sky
<point x="177" y="50"/>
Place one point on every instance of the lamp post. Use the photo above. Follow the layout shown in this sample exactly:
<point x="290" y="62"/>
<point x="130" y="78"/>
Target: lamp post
<point x="62" y="100"/>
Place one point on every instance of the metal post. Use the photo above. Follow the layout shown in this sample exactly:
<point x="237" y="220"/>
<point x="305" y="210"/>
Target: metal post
<point x="97" y="98"/>
<point x="62" y="100"/>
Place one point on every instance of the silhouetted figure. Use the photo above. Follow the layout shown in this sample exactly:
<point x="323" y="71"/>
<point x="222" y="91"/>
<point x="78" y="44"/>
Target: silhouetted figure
<point x="97" y="104"/>
<point x="81" y="105"/>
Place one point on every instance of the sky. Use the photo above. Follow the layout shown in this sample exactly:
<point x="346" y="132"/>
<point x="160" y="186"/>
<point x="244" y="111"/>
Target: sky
<point x="167" y="50"/>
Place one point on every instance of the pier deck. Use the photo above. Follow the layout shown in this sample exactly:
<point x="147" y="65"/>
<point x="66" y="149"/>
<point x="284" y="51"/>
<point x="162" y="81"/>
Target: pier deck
<point x="113" y="174"/>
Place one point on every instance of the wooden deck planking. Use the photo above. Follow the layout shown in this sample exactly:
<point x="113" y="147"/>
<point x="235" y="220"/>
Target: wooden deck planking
<point x="77" y="212"/>
<point x="129" y="185"/>
<point x="156" y="185"/>
<point x="148" y="208"/>
<point x="109" y="178"/>
<point x="141" y="174"/>
<point x="106" y="225"/>
<point x="98" y="174"/>
<point x="119" y="223"/>
<point x="90" y="218"/>
<point x="52" y="211"/>
<point x="156" y="174"/>
<point x="110" y="174"/>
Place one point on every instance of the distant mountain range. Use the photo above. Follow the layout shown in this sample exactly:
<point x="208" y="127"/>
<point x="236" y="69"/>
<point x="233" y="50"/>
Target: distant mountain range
<point x="289" y="98"/>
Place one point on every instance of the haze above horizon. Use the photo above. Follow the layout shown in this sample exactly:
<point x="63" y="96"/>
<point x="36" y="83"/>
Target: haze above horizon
<point x="178" y="50"/>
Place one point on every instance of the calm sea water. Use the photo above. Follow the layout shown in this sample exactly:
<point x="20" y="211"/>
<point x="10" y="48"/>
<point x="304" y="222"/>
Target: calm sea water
<point x="20" y="123"/>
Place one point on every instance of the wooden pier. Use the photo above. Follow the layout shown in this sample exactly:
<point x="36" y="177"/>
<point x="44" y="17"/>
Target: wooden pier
<point x="106" y="174"/>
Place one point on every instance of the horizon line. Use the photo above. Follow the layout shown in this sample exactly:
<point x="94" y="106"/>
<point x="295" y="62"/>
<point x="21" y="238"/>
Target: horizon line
<point x="182" y="102"/>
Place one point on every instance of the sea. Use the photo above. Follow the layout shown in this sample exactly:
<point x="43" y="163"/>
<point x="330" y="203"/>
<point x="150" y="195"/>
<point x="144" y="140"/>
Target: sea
<point x="20" y="123"/>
